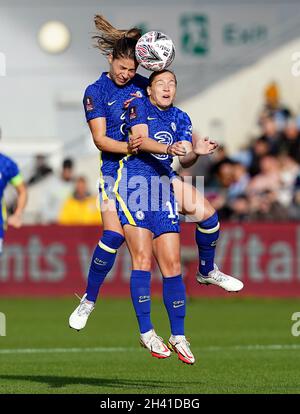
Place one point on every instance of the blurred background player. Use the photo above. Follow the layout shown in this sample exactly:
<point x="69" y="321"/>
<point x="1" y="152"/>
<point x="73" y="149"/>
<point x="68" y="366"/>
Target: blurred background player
<point x="59" y="188"/>
<point x="10" y="174"/>
<point x="81" y="208"/>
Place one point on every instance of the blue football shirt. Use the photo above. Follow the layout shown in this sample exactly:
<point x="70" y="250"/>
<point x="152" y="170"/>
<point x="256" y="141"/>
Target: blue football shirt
<point x="165" y="126"/>
<point x="106" y="99"/>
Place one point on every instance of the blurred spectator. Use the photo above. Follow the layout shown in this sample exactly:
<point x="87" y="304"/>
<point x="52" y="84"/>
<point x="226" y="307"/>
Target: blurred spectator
<point x="259" y="149"/>
<point x="271" y="134"/>
<point x="268" y="179"/>
<point x="240" y="182"/>
<point x="264" y="206"/>
<point x="81" y="208"/>
<point x="58" y="189"/>
<point x="272" y="103"/>
<point x="294" y="209"/>
<point x="218" y="200"/>
<point x="224" y="173"/>
<point x="240" y="209"/>
<point x="220" y="154"/>
<point x="41" y="170"/>
<point x="289" y="169"/>
<point x="290" y="142"/>
<point x="218" y="157"/>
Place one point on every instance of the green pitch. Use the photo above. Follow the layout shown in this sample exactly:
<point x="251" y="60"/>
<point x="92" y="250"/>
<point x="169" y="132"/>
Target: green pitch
<point x="240" y="345"/>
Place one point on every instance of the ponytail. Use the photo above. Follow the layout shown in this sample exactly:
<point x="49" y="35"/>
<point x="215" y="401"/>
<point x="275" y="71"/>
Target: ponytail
<point x="119" y="43"/>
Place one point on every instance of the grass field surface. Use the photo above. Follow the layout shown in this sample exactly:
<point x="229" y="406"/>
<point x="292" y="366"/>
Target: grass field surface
<point x="241" y="346"/>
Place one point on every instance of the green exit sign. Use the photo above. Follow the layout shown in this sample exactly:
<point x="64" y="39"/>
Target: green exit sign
<point x="195" y="34"/>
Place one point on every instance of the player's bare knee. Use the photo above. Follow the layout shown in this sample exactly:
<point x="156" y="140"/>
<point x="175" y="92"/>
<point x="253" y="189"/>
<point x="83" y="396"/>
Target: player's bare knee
<point x="142" y="261"/>
<point x="173" y="267"/>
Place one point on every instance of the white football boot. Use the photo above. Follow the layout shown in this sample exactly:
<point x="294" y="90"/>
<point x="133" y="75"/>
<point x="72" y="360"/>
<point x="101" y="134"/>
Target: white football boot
<point x="79" y="317"/>
<point x="181" y="346"/>
<point x="155" y="344"/>
<point x="218" y="278"/>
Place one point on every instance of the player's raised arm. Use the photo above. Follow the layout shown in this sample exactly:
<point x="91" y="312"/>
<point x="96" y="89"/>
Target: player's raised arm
<point x="96" y="114"/>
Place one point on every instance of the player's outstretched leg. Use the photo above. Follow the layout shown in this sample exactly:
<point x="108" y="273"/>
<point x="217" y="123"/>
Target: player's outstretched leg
<point x="141" y="299"/>
<point x="207" y="233"/>
<point x="102" y="262"/>
<point x="174" y="296"/>
<point x="193" y="204"/>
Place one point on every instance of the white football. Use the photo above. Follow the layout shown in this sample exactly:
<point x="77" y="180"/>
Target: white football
<point x="155" y="51"/>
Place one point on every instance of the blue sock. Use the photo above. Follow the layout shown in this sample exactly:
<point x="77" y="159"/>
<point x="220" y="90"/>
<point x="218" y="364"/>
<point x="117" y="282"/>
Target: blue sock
<point x="103" y="260"/>
<point x="175" y="302"/>
<point x="207" y="234"/>
<point x="140" y="295"/>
